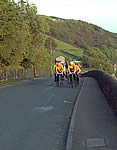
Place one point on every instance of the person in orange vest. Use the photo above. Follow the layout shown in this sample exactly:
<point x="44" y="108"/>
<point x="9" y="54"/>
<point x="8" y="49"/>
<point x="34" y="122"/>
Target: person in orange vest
<point x="54" y="70"/>
<point x="72" y="70"/>
<point x="66" y="66"/>
<point x="59" y="71"/>
<point x="79" y="66"/>
<point x="62" y="63"/>
<point x="78" y="70"/>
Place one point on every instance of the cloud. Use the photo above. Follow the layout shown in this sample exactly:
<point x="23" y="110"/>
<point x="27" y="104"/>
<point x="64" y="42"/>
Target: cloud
<point x="82" y="8"/>
<point x="100" y="12"/>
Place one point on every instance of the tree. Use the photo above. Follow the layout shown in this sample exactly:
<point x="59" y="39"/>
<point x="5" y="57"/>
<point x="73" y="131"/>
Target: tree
<point x="94" y="58"/>
<point x="14" y="34"/>
<point x="50" y="45"/>
<point x="38" y="27"/>
<point x="22" y="35"/>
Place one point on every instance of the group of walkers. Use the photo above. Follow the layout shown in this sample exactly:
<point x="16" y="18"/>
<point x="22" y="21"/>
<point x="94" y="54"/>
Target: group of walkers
<point x="71" y="70"/>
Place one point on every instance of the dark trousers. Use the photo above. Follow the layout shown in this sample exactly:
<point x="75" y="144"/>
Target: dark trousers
<point x="71" y="77"/>
<point x="57" y="77"/>
<point x="77" y="76"/>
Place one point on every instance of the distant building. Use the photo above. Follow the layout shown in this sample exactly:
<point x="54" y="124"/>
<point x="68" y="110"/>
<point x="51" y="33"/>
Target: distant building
<point x="78" y="62"/>
<point x="61" y="58"/>
<point x="115" y="67"/>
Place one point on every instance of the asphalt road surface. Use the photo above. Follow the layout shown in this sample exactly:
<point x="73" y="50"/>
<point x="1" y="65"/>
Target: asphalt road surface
<point x="34" y="115"/>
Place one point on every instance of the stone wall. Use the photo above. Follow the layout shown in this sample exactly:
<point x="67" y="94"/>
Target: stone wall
<point x="107" y="84"/>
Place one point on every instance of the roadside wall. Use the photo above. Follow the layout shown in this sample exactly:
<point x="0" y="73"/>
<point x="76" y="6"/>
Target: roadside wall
<point x="107" y="84"/>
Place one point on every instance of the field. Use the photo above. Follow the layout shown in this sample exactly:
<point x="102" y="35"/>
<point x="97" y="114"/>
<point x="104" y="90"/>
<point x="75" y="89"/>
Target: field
<point x="8" y="82"/>
<point x="67" y="50"/>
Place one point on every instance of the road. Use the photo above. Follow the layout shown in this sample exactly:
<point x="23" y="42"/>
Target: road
<point x="34" y="115"/>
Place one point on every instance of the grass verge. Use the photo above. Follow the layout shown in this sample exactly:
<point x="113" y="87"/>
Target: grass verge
<point x="3" y="83"/>
<point x="68" y="51"/>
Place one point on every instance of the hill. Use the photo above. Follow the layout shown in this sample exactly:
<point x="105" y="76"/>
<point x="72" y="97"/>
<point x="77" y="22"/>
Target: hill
<point x="96" y="46"/>
<point x="67" y="50"/>
<point x="83" y="35"/>
<point x="79" y="33"/>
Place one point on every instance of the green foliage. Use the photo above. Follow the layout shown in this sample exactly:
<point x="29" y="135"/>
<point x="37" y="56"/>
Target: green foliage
<point x="67" y="50"/>
<point x="76" y="32"/>
<point x="62" y="45"/>
<point x="99" y="46"/>
<point x="95" y="58"/>
<point x="110" y="43"/>
<point x="23" y="39"/>
<point x="13" y="34"/>
<point x="95" y="53"/>
<point x="50" y="45"/>
<point x="45" y="60"/>
<point x="22" y="35"/>
<point x="110" y="52"/>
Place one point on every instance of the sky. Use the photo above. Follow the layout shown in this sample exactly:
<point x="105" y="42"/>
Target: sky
<point x="99" y="12"/>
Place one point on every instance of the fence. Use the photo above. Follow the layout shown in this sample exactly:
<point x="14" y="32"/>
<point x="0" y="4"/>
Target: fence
<point x="21" y="74"/>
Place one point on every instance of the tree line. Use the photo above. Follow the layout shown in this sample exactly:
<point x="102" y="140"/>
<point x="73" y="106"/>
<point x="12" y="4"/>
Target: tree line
<point x="26" y="39"/>
<point x="23" y="42"/>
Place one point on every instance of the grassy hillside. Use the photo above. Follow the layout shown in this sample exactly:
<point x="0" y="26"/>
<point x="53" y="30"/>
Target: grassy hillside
<point x="63" y="45"/>
<point x="67" y="50"/>
<point x="82" y="35"/>
<point x="78" y="33"/>
<point x="96" y="46"/>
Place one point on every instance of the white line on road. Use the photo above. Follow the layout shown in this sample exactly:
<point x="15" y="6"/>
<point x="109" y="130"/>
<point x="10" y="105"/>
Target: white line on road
<point x="68" y="102"/>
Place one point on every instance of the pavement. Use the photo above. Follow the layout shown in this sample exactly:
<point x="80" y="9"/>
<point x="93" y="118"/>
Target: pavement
<point x="93" y="125"/>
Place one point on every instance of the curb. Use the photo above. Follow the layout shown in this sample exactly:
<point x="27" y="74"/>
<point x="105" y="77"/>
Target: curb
<point x="12" y="83"/>
<point x="15" y="82"/>
<point x="71" y="127"/>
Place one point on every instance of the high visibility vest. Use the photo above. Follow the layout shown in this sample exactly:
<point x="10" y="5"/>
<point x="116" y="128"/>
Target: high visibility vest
<point x="71" y="68"/>
<point x="60" y="69"/>
<point x="78" y="70"/>
<point x="54" y="68"/>
<point x="63" y="66"/>
<point x="79" y="66"/>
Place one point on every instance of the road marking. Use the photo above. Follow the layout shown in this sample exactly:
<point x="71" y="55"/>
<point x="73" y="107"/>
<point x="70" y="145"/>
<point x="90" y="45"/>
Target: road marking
<point x="68" y="102"/>
<point x="43" y="109"/>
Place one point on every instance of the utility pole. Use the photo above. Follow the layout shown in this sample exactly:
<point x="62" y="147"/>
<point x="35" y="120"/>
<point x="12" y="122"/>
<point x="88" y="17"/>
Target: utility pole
<point x="51" y="58"/>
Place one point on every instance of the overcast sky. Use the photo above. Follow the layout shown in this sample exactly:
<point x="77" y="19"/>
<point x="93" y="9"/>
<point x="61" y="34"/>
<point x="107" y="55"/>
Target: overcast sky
<point x="100" y="12"/>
